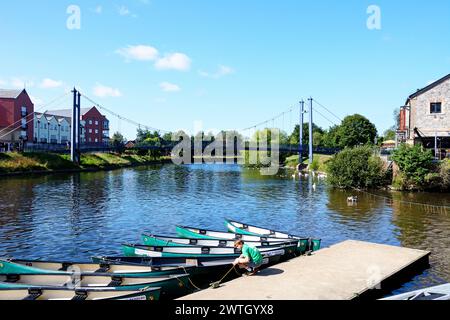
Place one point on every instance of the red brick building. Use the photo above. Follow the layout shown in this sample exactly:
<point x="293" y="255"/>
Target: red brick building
<point x="16" y="116"/>
<point x="95" y="126"/>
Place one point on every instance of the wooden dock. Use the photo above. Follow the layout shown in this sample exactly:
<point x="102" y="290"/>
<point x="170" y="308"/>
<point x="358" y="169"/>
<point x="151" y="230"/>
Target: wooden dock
<point x="345" y="271"/>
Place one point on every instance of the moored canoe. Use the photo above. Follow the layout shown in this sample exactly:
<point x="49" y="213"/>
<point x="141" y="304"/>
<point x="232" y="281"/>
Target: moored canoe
<point x="304" y="244"/>
<point x="122" y="269"/>
<point x="287" y="251"/>
<point x="441" y="292"/>
<point x="250" y="230"/>
<point x="171" y="285"/>
<point x="14" y="293"/>
<point x="164" y="241"/>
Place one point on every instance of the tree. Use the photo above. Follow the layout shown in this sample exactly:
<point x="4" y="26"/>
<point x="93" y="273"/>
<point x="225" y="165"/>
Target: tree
<point x="356" y="168"/>
<point x="414" y="163"/>
<point x="294" y="137"/>
<point x="331" y="138"/>
<point x="356" y="130"/>
<point x="118" y="141"/>
<point x="389" y="134"/>
<point x="396" y="115"/>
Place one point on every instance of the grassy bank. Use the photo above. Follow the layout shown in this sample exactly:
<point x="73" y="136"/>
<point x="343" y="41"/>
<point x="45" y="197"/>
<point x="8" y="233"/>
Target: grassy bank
<point x="318" y="165"/>
<point x="14" y="163"/>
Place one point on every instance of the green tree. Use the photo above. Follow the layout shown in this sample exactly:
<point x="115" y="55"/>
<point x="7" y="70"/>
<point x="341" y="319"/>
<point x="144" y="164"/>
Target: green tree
<point x="118" y="141"/>
<point x="331" y="138"/>
<point x="356" y="130"/>
<point x="294" y="137"/>
<point x="389" y="134"/>
<point x="414" y="162"/>
<point x="356" y="167"/>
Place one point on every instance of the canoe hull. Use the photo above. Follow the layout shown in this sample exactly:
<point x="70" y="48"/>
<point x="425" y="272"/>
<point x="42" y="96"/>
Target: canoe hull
<point x="15" y="293"/>
<point x="305" y="244"/>
<point x="172" y="287"/>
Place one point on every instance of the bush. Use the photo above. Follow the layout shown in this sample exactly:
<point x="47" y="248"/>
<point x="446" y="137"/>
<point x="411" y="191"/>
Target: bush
<point x="356" y="168"/>
<point x="444" y="172"/>
<point x="414" y="162"/>
<point x="315" y="165"/>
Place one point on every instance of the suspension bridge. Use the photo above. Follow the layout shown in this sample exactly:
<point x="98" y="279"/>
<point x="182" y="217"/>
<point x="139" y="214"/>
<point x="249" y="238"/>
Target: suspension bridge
<point x="283" y="122"/>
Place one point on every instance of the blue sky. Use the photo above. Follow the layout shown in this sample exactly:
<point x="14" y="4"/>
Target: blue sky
<point x="229" y="64"/>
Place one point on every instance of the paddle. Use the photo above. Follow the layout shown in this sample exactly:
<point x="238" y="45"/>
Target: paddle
<point x="216" y="285"/>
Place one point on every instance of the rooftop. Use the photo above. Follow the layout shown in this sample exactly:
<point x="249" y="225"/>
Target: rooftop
<point x="427" y="88"/>
<point x="10" y="94"/>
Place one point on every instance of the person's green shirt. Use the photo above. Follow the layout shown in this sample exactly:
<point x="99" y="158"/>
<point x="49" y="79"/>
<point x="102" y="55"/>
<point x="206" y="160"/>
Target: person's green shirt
<point x="252" y="253"/>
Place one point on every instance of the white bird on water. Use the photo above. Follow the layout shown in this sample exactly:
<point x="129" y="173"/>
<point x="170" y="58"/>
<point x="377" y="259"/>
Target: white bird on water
<point x="314" y="187"/>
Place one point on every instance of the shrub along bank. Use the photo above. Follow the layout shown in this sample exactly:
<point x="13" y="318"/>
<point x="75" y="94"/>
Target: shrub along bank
<point x="414" y="169"/>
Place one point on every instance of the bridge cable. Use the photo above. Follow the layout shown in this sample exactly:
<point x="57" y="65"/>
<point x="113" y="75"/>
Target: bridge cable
<point x="134" y="123"/>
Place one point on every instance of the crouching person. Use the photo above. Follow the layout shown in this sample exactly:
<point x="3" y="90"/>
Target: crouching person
<point x="251" y="259"/>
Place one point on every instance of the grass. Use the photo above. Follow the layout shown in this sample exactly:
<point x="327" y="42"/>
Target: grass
<point x="29" y="162"/>
<point x="320" y="160"/>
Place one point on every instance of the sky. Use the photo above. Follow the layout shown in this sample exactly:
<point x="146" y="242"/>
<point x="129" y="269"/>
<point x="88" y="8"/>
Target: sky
<point x="225" y="64"/>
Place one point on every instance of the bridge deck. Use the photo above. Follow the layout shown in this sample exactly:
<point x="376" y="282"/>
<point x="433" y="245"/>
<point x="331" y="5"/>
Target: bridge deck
<point x="342" y="272"/>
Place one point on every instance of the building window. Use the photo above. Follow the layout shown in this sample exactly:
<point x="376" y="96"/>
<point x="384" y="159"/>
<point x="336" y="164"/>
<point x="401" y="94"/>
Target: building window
<point x="96" y="122"/>
<point x="436" y="107"/>
<point x="96" y="140"/>
<point x="90" y="130"/>
<point x="96" y="131"/>
<point x="90" y="121"/>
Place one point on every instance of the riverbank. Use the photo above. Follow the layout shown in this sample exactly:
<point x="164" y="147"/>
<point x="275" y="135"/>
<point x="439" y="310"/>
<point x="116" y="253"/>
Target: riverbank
<point x="41" y="163"/>
<point x="319" y="163"/>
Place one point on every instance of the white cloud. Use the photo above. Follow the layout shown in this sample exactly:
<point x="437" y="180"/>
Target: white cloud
<point x="221" y="72"/>
<point x="169" y="87"/>
<point x="50" y="84"/>
<point x="174" y="61"/>
<point x="123" y="11"/>
<point x="2" y="82"/>
<point x="139" y="52"/>
<point x="104" y="91"/>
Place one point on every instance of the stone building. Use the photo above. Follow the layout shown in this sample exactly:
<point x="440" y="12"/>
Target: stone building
<point x="425" y="118"/>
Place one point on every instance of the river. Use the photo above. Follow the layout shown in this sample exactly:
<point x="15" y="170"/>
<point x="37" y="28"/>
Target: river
<point x="76" y="216"/>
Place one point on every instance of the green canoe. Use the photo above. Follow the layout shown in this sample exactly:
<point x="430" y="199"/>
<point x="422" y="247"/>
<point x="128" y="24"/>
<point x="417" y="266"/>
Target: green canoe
<point x="286" y="251"/>
<point x="304" y="244"/>
<point x="171" y="285"/>
<point x="249" y="230"/>
<point x="113" y="268"/>
<point x="164" y="241"/>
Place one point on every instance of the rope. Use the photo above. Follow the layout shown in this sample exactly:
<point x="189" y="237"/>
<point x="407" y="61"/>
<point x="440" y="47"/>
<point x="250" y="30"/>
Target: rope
<point x="190" y="281"/>
<point x="233" y="268"/>
<point x="410" y="203"/>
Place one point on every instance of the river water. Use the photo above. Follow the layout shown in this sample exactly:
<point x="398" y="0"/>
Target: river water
<point x="76" y="216"/>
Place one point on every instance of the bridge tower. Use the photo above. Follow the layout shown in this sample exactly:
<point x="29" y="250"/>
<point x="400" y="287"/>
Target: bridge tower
<point x="75" y="134"/>
<point x="302" y="115"/>
<point x="311" y="155"/>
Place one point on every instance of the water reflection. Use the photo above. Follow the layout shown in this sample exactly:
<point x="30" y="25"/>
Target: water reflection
<point x="80" y="215"/>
